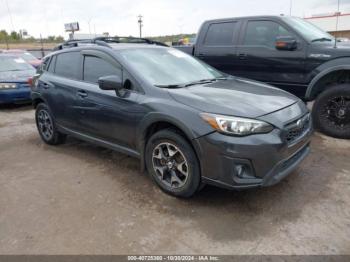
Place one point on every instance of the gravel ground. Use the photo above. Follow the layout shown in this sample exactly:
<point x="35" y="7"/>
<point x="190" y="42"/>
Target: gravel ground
<point x="81" y="199"/>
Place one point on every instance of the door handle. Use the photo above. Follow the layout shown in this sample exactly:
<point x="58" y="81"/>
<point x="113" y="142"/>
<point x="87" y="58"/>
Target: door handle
<point x="200" y="55"/>
<point x="242" y="56"/>
<point x="82" y="93"/>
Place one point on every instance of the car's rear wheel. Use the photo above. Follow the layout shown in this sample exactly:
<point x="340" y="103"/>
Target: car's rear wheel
<point x="172" y="163"/>
<point x="46" y="126"/>
<point x="331" y="111"/>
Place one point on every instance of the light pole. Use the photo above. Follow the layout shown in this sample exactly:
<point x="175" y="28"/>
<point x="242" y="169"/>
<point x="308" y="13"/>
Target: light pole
<point x="290" y="7"/>
<point x="338" y="13"/>
<point x="140" y="24"/>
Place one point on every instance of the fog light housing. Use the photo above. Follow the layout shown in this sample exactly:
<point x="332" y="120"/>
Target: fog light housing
<point x="243" y="170"/>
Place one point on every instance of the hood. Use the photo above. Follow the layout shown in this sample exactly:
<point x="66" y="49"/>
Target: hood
<point x="327" y="51"/>
<point x="16" y="76"/>
<point x="235" y="97"/>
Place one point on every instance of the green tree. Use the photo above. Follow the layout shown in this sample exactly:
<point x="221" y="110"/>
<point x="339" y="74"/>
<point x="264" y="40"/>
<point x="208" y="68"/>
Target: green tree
<point x="3" y="35"/>
<point x="14" y="35"/>
<point x="59" y="39"/>
<point x="51" y="38"/>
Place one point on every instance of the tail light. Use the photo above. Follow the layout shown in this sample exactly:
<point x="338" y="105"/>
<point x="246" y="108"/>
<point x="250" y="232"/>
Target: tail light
<point x="30" y="82"/>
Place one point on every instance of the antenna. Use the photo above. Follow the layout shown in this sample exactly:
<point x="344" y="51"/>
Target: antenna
<point x="140" y="24"/>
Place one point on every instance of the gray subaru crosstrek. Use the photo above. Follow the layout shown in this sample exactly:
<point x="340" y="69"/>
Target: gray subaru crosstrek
<point x="188" y="123"/>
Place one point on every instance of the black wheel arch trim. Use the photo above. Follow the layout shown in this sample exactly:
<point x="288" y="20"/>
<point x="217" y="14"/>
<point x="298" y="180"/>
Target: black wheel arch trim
<point x="154" y="118"/>
<point x="36" y="96"/>
<point x="323" y="70"/>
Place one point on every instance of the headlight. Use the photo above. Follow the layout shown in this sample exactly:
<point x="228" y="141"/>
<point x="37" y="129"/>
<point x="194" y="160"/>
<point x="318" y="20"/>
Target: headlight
<point x="7" y="85"/>
<point x="236" y="125"/>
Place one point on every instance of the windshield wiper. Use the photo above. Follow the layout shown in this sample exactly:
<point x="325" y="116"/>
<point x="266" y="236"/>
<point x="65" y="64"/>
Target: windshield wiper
<point x="202" y="81"/>
<point x="321" y="39"/>
<point x="169" y="86"/>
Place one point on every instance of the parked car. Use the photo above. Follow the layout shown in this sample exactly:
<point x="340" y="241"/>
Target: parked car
<point x="188" y="123"/>
<point x="24" y="54"/>
<point x="14" y="75"/>
<point x="287" y="52"/>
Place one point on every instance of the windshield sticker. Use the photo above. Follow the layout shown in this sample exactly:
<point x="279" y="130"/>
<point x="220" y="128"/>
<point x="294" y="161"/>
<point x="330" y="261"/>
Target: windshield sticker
<point x="177" y="53"/>
<point x="19" y="60"/>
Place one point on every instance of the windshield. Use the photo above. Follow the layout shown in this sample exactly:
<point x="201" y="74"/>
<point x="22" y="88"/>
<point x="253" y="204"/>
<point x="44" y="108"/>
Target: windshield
<point x="307" y="29"/>
<point x="167" y="66"/>
<point x="27" y="56"/>
<point x="10" y="63"/>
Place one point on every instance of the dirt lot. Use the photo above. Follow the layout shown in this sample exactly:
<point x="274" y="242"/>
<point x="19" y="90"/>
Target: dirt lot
<point x="81" y="199"/>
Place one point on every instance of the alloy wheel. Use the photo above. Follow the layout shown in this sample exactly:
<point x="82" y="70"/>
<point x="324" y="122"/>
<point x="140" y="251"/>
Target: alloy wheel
<point x="45" y="124"/>
<point x="170" y="165"/>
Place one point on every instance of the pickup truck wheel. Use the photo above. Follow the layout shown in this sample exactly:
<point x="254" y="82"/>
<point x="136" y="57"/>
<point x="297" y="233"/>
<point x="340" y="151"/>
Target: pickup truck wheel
<point x="331" y="111"/>
<point x="172" y="163"/>
<point x="46" y="126"/>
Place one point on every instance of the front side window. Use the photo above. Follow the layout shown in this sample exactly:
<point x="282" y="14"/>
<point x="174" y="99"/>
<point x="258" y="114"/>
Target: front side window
<point x="167" y="66"/>
<point x="264" y="33"/>
<point x="68" y="65"/>
<point x="95" y="67"/>
<point x="220" y="34"/>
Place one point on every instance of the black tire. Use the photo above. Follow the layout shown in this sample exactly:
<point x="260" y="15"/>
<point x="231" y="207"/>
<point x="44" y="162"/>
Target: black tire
<point x="188" y="184"/>
<point x="331" y="111"/>
<point x="46" y="126"/>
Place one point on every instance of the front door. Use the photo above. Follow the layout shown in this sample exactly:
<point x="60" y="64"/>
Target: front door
<point x="106" y="114"/>
<point x="260" y="60"/>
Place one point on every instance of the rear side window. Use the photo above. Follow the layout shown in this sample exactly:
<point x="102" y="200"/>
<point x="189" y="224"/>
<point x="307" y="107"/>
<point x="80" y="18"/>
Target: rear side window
<point x="264" y="33"/>
<point x="95" y="67"/>
<point x="44" y="64"/>
<point x="51" y="67"/>
<point x="220" y="34"/>
<point x="68" y="65"/>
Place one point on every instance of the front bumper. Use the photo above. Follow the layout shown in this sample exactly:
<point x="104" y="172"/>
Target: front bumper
<point x="16" y="95"/>
<point x="265" y="158"/>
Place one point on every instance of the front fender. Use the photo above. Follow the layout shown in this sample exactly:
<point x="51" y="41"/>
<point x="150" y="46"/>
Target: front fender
<point x="198" y="129"/>
<point x="323" y="70"/>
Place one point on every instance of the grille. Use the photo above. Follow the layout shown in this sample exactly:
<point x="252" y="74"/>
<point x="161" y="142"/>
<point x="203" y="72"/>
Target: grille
<point x="298" y="128"/>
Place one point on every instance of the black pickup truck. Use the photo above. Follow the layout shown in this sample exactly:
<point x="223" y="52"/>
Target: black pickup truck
<point x="287" y="52"/>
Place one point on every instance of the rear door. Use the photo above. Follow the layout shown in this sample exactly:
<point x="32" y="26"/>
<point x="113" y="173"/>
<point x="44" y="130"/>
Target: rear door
<point x="218" y="43"/>
<point x="61" y="83"/>
<point x="260" y="60"/>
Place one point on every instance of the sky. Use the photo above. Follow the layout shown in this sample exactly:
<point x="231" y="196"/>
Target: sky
<point x="161" y="17"/>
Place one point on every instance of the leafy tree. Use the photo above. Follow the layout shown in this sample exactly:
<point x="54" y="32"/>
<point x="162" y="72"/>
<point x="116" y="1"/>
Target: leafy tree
<point x="59" y="38"/>
<point x="51" y="38"/>
<point x="14" y="35"/>
<point x="3" y="35"/>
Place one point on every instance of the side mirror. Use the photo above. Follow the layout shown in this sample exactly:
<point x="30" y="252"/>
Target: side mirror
<point x="286" y="43"/>
<point x="112" y="82"/>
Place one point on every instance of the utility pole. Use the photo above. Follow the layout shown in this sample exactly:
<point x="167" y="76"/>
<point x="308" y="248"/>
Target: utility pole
<point x="140" y="24"/>
<point x="290" y="7"/>
<point x="42" y="46"/>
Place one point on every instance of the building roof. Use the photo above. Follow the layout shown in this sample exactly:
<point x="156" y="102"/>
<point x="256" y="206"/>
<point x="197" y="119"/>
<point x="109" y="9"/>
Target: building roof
<point x="328" y="22"/>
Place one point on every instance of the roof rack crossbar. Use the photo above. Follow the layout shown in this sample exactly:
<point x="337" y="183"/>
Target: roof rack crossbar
<point x="105" y="41"/>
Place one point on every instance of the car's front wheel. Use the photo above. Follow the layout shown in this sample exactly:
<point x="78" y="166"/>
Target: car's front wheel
<point x="46" y="126"/>
<point x="172" y="163"/>
<point x="331" y="111"/>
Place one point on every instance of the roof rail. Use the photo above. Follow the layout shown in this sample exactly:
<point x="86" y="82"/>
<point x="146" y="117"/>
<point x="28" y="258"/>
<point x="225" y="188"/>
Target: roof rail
<point x="105" y="41"/>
